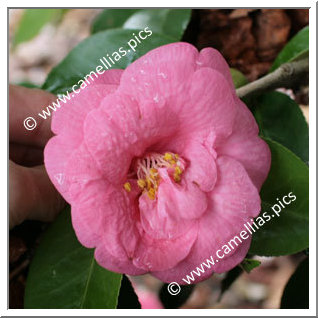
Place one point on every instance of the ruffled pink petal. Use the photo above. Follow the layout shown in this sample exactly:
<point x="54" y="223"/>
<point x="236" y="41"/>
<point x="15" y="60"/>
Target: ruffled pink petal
<point x="233" y="202"/>
<point x="210" y="98"/>
<point x="57" y="152"/>
<point x="245" y="146"/>
<point x="161" y="73"/>
<point x="171" y="214"/>
<point x="116" y="264"/>
<point x="202" y="168"/>
<point x="212" y="58"/>
<point x="120" y="236"/>
<point x="69" y="118"/>
<point x="110" y="77"/>
<point x="80" y="171"/>
<point x="156" y="255"/>
<point x="121" y="129"/>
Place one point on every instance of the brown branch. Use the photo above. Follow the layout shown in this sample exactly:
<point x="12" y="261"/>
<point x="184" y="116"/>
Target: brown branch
<point x="285" y="76"/>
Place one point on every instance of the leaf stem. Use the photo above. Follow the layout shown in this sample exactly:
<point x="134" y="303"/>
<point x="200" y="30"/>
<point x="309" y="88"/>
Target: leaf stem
<point x="285" y="76"/>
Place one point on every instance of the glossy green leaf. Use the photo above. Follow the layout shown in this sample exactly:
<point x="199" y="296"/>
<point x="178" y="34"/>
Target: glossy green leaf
<point x="64" y="274"/>
<point x="32" y="22"/>
<point x="296" y="293"/>
<point x="249" y="264"/>
<point x="85" y="57"/>
<point x="170" y="22"/>
<point x="280" y="119"/>
<point x="297" y="47"/>
<point x="111" y="19"/>
<point x="239" y="78"/>
<point x="287" y="231"/>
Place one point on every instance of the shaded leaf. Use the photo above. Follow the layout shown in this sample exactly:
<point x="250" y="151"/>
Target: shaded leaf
<point x="111" y="19"/>
<point x="171" y="22"/>
<point x="85" y="57"/>
<point x="249" y="264"/>
<point x="280" y="119"/>
<point x="296" y="293"/>
<point x="64" y="274"/>
<point x="32" y="22"/>
<point x="239" y="78"/>
<point x="287" y="231"/>
<point x="297" y="47"/>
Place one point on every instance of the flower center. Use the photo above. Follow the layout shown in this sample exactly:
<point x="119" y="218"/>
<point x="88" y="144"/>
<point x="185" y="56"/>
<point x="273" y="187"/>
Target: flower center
<point x="147" y="170"/>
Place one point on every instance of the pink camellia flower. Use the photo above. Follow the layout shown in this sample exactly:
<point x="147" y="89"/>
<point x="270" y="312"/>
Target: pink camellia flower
<point x="161" y="163"/>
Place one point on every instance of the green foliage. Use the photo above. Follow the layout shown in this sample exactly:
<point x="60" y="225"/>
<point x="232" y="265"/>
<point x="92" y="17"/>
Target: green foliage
<point x="32" y="22"/>
<point x="239" y="79"/>
<point x="86" y="56"/>
<point x="280" y="119"/>
<point x="296" y="293"/>
<point x="296" y="48"/>
<point x="170" y="22"/>
<point x="111" y="19"/>
<point x="64" y="274"/>
<point x="249" y="264"/>
<point x="288" y="232"/>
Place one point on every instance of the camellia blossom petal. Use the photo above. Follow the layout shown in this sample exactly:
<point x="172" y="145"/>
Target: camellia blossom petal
<point x="161" y="164"/>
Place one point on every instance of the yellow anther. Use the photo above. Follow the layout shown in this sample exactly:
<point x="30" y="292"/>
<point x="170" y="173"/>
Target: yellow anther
<point x="127" y="186"/>
<point x="176" y="177"/>
<point x="176" y="156"/>
<point x="151" y="193"/>
<point x="153" y="171"/>
<point x="178" y="170"/>
<point x="148" y="183"/>
<point x="141" y="183"/>
<point x="168" y="156"/>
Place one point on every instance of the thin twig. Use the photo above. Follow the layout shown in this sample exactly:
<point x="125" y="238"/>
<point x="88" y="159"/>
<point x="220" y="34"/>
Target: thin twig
<point x="285" y="76"/>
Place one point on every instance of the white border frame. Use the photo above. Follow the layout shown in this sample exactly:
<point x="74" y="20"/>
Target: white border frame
<point x="160" y="312"/>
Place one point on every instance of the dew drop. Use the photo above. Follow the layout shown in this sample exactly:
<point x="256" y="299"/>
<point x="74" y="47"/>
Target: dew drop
<point x="163" y="75"/>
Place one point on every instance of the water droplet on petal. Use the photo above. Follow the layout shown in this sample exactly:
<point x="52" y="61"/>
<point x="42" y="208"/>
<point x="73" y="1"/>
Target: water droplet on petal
<point x="199" y="63"/>
<point x="133" y="79"/>
<point x="163" y="75"/>
<point x="156" y="98"/>
<point x="59" y="178"/>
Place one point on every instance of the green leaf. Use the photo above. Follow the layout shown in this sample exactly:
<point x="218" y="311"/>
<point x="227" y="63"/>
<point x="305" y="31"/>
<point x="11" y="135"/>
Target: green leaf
<point x="287" y="232"/>
<point x="239" y="78"/>
<point x="85" y="57"/>
<point x="280" y="119"/>
<point x="249" y="264"/>
<point x="27" y="84"/>
<point x="170" y="22"/>
<point x="111" y="19"/>
<point x="296" y="293"/>
<point x="297" y="47"/>
<point x="32" y="22"/>
<point x="64" y="274"/>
